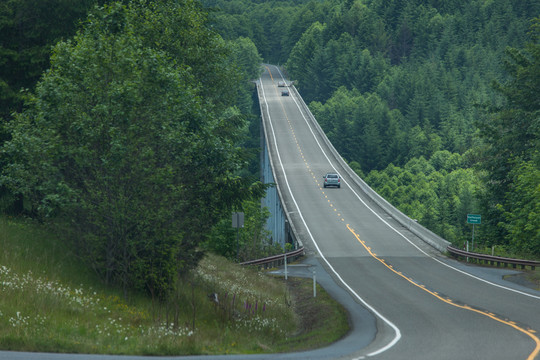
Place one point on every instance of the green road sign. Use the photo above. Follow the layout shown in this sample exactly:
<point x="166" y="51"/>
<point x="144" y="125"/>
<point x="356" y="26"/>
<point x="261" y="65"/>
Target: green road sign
<point x="474" y="219"/>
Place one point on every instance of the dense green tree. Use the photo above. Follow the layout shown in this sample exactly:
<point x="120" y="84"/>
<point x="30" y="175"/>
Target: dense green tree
<point x="246" y="59"/>
<point x="273" y="26"/>
<point x="354" y="67"/>
<point x="336" y="118"/>
<point x="300" y="22"/>
<point x="251" y="242"/>
<point x="362" y="128"/>
<point x="123" y="144"/>
<point x="246" y="56"/>
<point x="438" y="193"/>
<point x="318" y="78"/>
<point x="28" y="30"/>
<point x="410" y="75"/>
<point x="512" y="138"/>
<point x="522" y="214"/>
<point x="304" y="51"/>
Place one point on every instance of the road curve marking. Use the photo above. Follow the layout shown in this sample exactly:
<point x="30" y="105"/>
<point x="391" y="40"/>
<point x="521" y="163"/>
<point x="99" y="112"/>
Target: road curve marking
<point x="397" y="332"/>
<point x="529" y="332"/>
<point x="513" y="324"/>
<point x="388" y="224"/>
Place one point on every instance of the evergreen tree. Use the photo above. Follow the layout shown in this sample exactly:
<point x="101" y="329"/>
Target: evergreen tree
<point x="512" y="137"/>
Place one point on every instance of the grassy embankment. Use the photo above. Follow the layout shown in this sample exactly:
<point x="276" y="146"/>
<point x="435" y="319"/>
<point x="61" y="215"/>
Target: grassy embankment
<point x="528" y="277"/>
<point x="50" y="302"/>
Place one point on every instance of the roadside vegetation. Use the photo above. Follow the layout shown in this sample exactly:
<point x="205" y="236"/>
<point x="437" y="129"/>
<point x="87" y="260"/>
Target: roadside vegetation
<point x="129" y="132"/>
<point x="434" y="103"/>
<point x="133" y="140"/>
<point x="51" y="302"/>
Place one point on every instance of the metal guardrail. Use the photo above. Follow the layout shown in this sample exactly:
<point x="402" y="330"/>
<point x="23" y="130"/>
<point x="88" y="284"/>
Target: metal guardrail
<point x="276" y="260"/>
<point x="493" y="259"/>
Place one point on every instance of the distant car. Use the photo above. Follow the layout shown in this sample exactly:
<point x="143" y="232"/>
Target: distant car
<point x="285" y="93"/>
<point x="332" y="179"/>
<point x="281" y="84"/>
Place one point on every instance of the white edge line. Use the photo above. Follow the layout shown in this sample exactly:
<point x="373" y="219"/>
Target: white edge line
<point x="399" y="233"/>
<point x="393" y="326"/>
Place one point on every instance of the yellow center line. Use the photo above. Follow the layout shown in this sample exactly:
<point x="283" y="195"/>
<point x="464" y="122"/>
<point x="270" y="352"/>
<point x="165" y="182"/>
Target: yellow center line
<point x="528" y="332"/>
<point x="300" y="149"/>
<point x="271" y="77"/>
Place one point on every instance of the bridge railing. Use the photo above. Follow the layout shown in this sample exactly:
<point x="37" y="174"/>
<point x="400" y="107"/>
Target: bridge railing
<point x="291" y="230"/>
<point x="492" y="260"/>
<point x="276" y="260"/>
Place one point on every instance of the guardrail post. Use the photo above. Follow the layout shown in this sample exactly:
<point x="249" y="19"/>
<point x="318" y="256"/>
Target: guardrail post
<point x="314" y="284"/>
<point x="285" y="260"/>
<point x="487" y="259"/>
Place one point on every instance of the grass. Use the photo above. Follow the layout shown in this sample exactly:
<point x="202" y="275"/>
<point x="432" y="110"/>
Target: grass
<point x="534" y="277"/>
<point x="529" y="278"/>
<point x="504" y="251"/>
<point x="50" y="302"/>
<point x="319" y="325"/>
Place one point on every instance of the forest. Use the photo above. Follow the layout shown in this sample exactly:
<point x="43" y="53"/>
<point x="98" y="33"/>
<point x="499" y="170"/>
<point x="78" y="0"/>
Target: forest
<point x="434" y="103"/>
<point x="119" y="126"/>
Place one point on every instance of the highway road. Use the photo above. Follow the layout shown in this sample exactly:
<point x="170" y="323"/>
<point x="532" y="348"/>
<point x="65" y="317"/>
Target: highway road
<point x="406" y="300"/>
<point x="426" y="306"/>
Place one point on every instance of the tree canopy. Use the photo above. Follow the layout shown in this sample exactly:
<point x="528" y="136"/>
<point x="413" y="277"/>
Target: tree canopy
<point x="392" y="82"/>
<point x="510" y="154"/>
<point x="132" y="134"/>
<point x="131" y="141"/>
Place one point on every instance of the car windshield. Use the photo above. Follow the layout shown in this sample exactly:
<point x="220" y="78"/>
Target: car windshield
<point x="332" y="176"/>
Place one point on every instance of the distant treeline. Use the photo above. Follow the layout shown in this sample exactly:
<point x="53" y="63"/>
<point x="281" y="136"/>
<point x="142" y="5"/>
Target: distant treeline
<point x="434" y="102"/>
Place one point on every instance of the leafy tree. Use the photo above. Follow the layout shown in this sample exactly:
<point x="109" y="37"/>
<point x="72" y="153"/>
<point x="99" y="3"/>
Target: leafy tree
<point x="183" y="32"/>
<point x="403" y="45"/>
<point x="522" y="216"/>
<point x="246" y="58"/>
<point x="318" y="79"/>
<point x="273" y="26"/>
<point x="254" y="241"/>
<point x="335" y="117"/>
<point x="438" y="197"/>
<point x="301" y="22"/>
<point x="123" y="147"/>
<point x="28" y="30"/>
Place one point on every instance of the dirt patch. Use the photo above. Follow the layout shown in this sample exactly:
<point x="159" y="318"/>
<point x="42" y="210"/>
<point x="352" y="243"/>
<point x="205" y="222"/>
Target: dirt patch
<point x="528" y="279"/>
<point x="309" y="312"/>
<point x="321" y="320"/>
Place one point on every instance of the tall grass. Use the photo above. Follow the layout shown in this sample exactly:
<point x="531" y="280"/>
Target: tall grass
<point x="49" y="301"/>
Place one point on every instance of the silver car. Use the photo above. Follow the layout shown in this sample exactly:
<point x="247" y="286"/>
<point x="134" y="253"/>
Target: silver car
<point x="332" y="179"/>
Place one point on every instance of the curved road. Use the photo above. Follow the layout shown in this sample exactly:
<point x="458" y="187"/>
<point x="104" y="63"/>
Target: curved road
<point x="406" y="300"/>
<point x="426" y="307"/>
